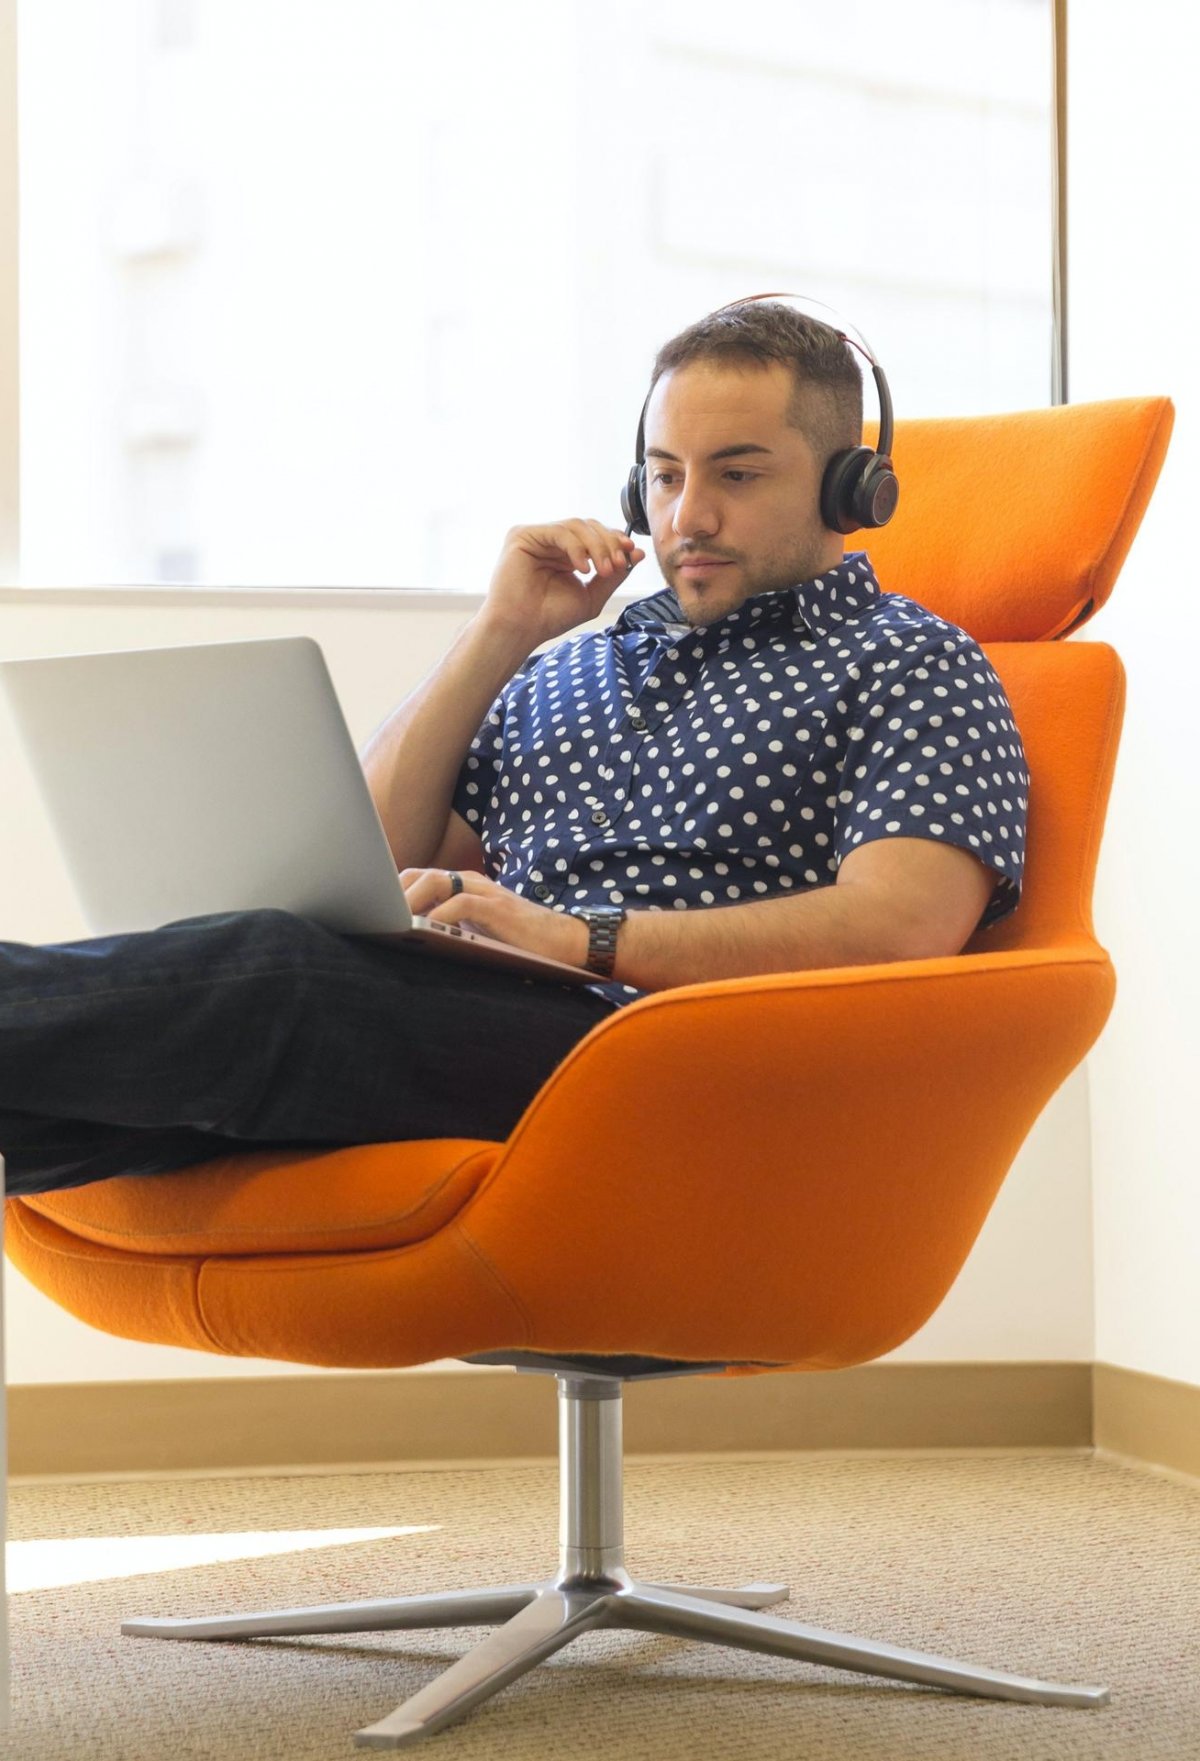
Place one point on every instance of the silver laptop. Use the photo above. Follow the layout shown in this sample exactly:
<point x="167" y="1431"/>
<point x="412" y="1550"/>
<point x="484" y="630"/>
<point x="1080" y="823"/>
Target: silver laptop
<point x="220" y="777"/>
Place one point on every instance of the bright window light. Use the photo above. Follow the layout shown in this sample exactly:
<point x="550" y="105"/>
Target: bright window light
<point x="334" y="292"/>
<point x="51" y="1565"/>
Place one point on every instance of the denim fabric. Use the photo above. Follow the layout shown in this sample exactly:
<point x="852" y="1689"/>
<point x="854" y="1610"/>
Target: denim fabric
<point x="148" y="1052"/>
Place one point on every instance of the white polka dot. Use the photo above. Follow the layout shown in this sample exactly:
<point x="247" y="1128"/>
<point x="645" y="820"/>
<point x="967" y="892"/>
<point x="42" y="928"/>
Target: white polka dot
<point x="784" y="700"/>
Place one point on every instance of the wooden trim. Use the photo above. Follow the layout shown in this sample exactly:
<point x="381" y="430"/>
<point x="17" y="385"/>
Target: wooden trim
<point x="1147" y="1418"/>
<point x="223" y="595"/>
<point x="1058" y="198"/>
<point x="162" y="597"/>
<point x="400" y="1419"/>
<point x="10" y="352"/>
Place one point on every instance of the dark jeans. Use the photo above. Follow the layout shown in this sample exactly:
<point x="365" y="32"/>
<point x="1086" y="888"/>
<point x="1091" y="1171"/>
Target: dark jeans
<point x="144" y="1053"/>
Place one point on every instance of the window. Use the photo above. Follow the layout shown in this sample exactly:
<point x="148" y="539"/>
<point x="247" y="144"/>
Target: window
<point x="333" y="292"/>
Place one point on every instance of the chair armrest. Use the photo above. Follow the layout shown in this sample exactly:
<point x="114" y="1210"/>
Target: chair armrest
<point x="788" y="1168"/>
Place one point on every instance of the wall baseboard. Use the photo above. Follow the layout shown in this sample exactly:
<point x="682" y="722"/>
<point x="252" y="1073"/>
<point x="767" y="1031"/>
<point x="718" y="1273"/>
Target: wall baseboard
<point x="396" y="1419"/>
<point x="1147" y="1418"/>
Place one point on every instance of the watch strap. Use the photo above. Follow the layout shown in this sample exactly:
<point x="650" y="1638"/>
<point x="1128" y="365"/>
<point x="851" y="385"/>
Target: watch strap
<point x="603" y="922"/>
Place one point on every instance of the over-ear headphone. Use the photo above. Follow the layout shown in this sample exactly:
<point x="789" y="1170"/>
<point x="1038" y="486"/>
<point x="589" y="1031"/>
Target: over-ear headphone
<point x="859" y="487"/>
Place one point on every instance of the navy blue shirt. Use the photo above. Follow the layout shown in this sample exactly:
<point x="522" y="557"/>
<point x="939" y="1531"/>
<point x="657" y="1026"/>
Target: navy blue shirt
<point x="664" y="768"/>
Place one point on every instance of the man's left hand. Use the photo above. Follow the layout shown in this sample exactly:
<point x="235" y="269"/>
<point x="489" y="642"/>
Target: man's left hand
<point x="495" y="911"/>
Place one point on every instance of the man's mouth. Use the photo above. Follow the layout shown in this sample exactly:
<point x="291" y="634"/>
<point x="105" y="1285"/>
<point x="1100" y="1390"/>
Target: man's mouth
<point x="701" y="565"/>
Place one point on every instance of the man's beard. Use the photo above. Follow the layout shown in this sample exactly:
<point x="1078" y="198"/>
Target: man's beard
<point x="770" y="575"/>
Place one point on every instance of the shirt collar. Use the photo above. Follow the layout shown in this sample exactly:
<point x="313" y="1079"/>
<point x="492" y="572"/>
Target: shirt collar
<point x="817" y="605"/>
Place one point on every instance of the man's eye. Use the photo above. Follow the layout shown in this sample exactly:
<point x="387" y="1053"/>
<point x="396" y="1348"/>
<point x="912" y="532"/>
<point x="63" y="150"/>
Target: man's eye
<point x="666" y="477"/>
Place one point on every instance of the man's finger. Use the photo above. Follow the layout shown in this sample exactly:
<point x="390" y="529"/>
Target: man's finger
<point x="454" y="911"/>
<point x="606" y="546"/>
<point x="428" y="890"/>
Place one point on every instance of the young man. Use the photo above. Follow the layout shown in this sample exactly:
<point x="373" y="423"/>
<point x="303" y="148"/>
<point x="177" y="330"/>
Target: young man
<point x="770" y="765"/>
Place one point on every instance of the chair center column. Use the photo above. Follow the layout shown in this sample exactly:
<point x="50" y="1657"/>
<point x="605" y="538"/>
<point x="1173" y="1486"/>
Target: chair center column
<point x="591" y="1516"/>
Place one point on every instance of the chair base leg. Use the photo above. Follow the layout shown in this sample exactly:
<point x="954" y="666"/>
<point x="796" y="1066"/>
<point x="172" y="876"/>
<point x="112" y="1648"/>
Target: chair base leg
<point x="593" y="1589"/>
<point x="685" y="1616"/>
<point x="535" y="1620"/>
<point x="456" y="1608"/>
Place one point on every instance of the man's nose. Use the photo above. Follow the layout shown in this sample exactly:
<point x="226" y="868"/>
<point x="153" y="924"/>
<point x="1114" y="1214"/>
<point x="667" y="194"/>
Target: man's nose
<point x="696" y="514"/>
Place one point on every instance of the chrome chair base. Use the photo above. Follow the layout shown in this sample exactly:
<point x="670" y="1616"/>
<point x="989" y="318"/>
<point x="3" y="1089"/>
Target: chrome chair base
<point x="593" y="1589"/>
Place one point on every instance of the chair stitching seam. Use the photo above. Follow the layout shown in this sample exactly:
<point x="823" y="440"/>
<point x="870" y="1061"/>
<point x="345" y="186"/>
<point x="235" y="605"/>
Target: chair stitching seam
<point x="505" y="1288"/>
<point x="1009" y="958"/>
<point x="247" y="1229"/>
<point x="201" y="1311"/>
<point x="21" y="1222"/>
<point x="69" y="1253"/>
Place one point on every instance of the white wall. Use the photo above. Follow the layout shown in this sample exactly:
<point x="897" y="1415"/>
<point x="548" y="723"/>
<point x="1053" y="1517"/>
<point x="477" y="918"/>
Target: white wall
<point x="1025" y="1293"/>
<point x="1132" y="174"/>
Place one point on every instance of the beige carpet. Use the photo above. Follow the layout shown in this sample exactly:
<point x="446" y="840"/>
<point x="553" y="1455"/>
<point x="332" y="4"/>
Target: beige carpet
<point x="1062" y="1566"/>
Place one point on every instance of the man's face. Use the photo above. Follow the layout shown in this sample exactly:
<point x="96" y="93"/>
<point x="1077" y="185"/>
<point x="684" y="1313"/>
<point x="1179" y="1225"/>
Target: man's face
<point x="732" y="491"/>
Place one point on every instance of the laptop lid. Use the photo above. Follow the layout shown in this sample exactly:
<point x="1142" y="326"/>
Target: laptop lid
<point x="215" y="777"/>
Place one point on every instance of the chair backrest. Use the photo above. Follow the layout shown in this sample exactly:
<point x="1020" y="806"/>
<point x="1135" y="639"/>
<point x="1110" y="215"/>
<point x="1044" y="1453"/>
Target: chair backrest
<point x="1068" y="701"/>
<point x="1014" y="527"/>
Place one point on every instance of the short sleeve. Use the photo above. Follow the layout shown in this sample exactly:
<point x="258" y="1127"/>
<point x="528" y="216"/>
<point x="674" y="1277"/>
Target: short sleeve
<point x="934" y="752"/>
<point x="481" y="767"/>
<point x="484" y="761"/>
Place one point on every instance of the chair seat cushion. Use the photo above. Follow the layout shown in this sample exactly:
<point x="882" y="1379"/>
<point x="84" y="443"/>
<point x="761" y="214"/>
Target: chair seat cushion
<point x="280" y="1201"/>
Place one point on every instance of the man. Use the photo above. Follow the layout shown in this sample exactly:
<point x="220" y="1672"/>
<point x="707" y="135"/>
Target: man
<point x="771" y="765"/>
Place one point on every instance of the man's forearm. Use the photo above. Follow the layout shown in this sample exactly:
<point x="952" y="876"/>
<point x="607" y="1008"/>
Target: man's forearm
<point x="412" y="761"/>
<point x="830" y="926"/>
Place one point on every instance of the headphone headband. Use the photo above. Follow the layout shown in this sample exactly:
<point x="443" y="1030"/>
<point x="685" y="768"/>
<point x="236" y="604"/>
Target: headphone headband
<point x="884" y="444"/>
<point x="858" y="488"/>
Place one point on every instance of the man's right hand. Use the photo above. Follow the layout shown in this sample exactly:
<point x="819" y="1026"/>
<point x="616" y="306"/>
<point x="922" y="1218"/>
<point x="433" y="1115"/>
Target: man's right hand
<point x="536" y="587"/>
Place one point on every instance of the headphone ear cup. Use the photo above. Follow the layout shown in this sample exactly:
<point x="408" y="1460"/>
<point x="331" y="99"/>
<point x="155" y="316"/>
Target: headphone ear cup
<point x="842" y="476"/>
<point x="859" y="489"/>
<point x="633" y="501"/>
<point x="877" y="493"/>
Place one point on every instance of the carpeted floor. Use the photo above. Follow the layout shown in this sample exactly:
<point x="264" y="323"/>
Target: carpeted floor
<point x="1061" y="1566"/>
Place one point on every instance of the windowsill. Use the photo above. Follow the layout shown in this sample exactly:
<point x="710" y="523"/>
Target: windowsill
<point x="344" y="598"/>
<point x="159" y="593"/>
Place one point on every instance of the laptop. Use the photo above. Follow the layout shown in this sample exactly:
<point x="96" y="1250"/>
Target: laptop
<point x="182" y="782"/>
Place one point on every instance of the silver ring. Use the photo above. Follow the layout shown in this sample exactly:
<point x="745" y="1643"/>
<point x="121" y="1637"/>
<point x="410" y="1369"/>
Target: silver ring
<point x="456" y="882"/>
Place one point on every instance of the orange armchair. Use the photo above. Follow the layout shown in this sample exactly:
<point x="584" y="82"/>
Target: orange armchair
<point x="797" y="1189"/>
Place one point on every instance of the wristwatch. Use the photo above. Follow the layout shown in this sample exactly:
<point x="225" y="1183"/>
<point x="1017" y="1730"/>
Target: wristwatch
<point x="603" y="922"/>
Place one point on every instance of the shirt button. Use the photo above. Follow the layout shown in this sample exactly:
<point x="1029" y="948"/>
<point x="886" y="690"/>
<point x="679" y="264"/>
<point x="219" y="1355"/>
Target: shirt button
<point x="599" y="816"/>
<point x="541" y="892"/>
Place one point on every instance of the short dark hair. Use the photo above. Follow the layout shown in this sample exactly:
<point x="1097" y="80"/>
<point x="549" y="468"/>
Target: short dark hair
<point x="827" y="405"/>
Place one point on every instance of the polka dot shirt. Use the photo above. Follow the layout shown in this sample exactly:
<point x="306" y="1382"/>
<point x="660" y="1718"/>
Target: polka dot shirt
<point x="666" y="768"/>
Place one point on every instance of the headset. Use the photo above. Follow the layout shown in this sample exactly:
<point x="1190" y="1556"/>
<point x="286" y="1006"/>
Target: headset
<point x="859" y="487"/>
